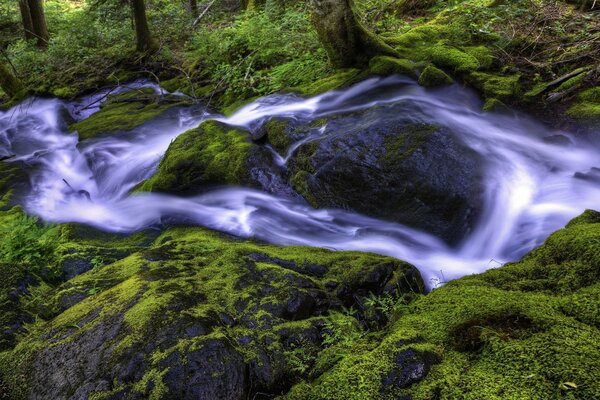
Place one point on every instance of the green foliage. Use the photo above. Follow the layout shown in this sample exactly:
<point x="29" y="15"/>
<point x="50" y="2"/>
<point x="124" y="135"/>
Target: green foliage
<point x="259" y="53"/>
<point x="26" y="242"/>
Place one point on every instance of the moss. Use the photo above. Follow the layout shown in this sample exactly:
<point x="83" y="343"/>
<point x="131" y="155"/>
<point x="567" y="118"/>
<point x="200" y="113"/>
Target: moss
<point x="405" y="142"/>
<point x="484" y="55"/>
<point x="192" y="278"/>
<point x="496" y="86"/>
<point x="453" y="58"/>
<point x="277" y="137"/>
<point x="386" y="65"/>
<point x="525" y="330"/>
<point x="124" y="112"/>
<point x="213" y="153"/>
<point x="339" y="80"/>
<point x="433" y="77"/>
<point x="494" y="105"/>
<point x="584" y="110"/>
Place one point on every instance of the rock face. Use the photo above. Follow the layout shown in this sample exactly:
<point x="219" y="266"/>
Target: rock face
<point x="196" y="316"/>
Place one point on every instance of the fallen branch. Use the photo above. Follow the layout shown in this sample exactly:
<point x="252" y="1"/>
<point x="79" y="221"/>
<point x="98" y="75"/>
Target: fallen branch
<point x="203" y="13"/>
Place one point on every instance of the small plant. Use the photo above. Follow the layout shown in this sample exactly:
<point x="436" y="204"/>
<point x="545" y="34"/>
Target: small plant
<point x="97" y="262"/>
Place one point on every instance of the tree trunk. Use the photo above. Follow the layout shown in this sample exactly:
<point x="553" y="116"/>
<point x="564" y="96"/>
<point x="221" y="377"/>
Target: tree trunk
<point x="194" y="8"/>
<point x="26" y="18"/>
<point x="346" y="40"/>
<point x="38" y="19"/>
<point x="142" y="32"/>
<point x="8" y="82"/>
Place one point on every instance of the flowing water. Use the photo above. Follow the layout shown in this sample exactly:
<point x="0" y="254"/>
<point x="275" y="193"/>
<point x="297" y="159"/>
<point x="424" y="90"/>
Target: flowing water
<point x="535" y="179"/>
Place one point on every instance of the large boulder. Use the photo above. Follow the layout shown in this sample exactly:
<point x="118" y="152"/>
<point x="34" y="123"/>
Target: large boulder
<point x="388" y="165"/>
<point x="196" y="316"/>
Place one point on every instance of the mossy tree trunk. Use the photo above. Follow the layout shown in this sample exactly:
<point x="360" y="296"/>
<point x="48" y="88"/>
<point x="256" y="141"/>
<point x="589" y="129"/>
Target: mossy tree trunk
<point x="142" y="31"/>
<point x="38" y="22"/>
<point x="26" y="18"/>
<point x="347" y="42"/>
<point x="8" y="82"/>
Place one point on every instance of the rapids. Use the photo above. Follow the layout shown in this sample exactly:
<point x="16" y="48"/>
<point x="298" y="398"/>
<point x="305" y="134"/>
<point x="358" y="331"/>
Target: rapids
<point x="536" y="179"/>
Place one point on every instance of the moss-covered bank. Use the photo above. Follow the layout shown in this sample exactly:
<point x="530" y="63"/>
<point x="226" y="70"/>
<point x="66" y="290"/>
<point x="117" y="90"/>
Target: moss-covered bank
<point x="196" y="315"/>
<point x="528" y="330"/>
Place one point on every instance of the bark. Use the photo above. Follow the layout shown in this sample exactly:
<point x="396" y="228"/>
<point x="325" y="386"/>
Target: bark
<point x="194" y="8"/>
<point x="142" y="32"/>
<point x="38" y="19"/>
<point x="347" y="42"/>
<point x="26" y="18"/>
<point x="8" y="82"/>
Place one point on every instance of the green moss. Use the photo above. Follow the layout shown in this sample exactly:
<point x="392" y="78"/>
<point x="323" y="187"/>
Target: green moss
<point x="484" y="55"/>
<point x="124" y="112"/>
<point x="592" y="95"/>
<point x="213" y="153"/>
<point x="192" y="277"/>
<point x="453" y="58"/>
<point x="433" y="77"/>
<point x="588" y="106"/>
<point x="277" y="136"/>
<point x="405" y="142"/>
<point x="386" y="65"/>
<point x="525" y="330"/>
<point x="584" y="110"/>
<point x="339" y="80"/>
<point x="496" y="86"/>
<point x="494" y="105"/>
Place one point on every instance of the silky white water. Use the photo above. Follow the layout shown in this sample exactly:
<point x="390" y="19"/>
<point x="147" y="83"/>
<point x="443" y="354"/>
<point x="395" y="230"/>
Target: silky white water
<point x="531" y="188"/>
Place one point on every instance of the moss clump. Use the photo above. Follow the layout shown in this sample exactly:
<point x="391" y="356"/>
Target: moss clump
<point x="588" y="106"/>
<point x="433" y="77"/>
<point x="494" y="105"/>
<point x="496" y="86"/>
<point x="453" y="58"/>
<point x="337" y="81"/>
<point x="124" y="112"/>
<point x="213" y="153"/>
<point x="386" y="65"/>
<point x="526" y="330"/>
<point x="277" y="137"/>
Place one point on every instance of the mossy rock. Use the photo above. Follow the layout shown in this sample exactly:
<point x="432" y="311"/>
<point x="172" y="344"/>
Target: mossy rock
<point x="496" y="86"/>
<point x="196" y="315"/>
<point x="526" y="330"/>
<point x="124" y="112"/>
<point x="213" y="153"/>
<point x="434" y="77"/>
<point x="588" y="105"/>
<point x="452" y="58"/>
<point x="386" y="65"/>
<point x="495" y="105"/>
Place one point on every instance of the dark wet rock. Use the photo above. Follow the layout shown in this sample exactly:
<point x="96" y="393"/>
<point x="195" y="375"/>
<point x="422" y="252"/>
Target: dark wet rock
<point x="411" y="366"/>
<point x="386" y="164"/>
<point x="593" y="175"/>
<point x="215" y="371"/>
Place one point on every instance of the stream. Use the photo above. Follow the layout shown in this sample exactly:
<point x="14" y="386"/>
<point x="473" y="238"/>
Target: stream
<point x="535" y="179"/>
